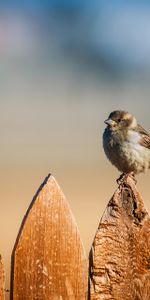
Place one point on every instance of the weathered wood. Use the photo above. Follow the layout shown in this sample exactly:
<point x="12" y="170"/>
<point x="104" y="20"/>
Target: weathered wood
<point x="120" y="255"/>
<point x="2" y="280"/>
<point x="48" y="260"/>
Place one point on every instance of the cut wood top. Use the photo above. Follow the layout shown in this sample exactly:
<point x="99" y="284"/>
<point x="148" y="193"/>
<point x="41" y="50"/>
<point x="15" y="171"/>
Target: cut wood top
<point x="48" y="260"/>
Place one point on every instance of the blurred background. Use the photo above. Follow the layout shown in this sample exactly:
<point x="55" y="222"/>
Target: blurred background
<point x="64" y="66"/>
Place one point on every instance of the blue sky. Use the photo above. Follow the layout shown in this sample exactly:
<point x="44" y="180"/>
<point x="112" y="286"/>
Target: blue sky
<point x="70" y="3"/>
<point x="116" y="32"/>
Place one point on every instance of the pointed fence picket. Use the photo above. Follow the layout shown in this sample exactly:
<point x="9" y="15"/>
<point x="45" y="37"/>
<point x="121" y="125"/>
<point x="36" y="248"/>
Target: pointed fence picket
<point x="49" y="262"/>
<point x="2" y="280"/>
<point x="120" y="254"/>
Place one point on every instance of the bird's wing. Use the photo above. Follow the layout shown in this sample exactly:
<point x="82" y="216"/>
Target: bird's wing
<point x="145" y="137"/>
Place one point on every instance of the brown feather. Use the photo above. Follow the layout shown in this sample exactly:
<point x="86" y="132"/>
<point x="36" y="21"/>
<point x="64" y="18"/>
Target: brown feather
<point x="145" y="137"/>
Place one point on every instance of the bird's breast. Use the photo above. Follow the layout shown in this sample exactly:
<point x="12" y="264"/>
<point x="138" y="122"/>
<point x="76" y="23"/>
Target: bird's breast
<point x="125" y="152"/>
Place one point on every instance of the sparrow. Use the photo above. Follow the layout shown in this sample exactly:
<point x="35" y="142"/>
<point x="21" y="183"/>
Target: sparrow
<point x="126" y="143"/>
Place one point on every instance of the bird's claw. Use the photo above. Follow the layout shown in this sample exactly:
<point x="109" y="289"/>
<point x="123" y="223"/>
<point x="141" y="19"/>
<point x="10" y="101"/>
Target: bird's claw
<point x="123" y="177"/>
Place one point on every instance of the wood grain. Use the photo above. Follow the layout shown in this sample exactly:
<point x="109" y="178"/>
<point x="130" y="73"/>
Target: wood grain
<point x="120" y="254"/>
<point x="2" y="280"/>
<point x="48" y="260"/>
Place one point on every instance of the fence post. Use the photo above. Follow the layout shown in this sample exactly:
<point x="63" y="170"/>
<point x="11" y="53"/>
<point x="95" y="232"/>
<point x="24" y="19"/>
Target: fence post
<point x="120" y="254"/>
<point x="2" y="280"/>
<point x="48" y="260"/>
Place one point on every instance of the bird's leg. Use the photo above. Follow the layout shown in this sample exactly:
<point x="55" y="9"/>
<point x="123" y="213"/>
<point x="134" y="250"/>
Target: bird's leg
<point x="123" y="176"/>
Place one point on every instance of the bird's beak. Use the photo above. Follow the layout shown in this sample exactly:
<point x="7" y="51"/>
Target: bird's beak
<point x="109" y="122"/>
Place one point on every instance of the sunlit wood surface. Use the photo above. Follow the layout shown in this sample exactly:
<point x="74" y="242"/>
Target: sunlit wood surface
<point x="48" y="260"/>
<point x="120" y="254"/>
<point x="2" y="280"/>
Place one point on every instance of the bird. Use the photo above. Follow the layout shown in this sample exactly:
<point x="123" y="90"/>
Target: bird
<point x="126" y="143"/>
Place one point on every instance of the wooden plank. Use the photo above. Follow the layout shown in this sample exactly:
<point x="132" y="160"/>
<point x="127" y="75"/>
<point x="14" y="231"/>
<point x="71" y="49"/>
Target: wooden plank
<point x="48" y="260"/>
<point x="120" y="254"/>
<point x="2" y="280"/>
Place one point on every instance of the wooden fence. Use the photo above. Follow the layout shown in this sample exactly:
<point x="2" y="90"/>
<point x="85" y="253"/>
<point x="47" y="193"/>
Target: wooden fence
<point x="49" y="262"/>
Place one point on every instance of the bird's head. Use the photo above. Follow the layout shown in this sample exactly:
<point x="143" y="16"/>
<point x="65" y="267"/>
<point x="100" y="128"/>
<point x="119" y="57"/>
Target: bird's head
<point x="121" y="120"/>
